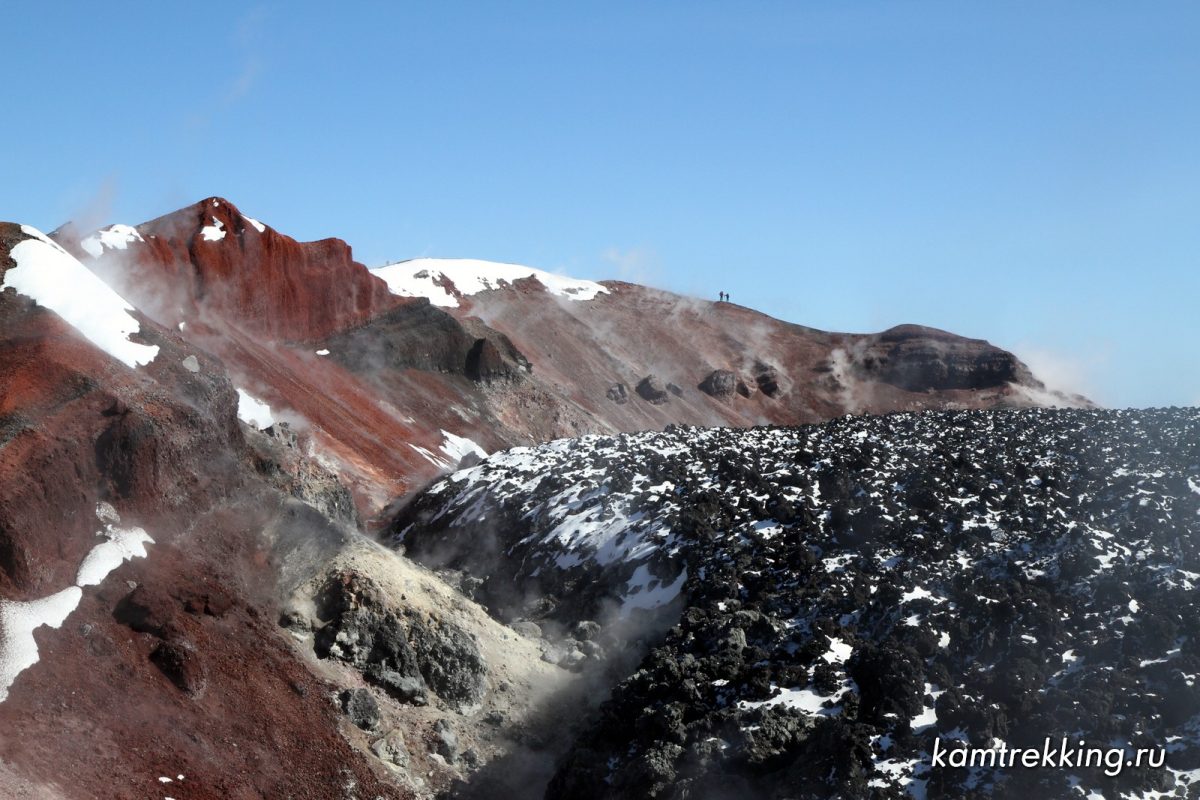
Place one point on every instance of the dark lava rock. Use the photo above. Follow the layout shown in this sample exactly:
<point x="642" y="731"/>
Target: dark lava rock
<point x="919" y="359"/>
<point x="402" y="653"/>
<point x="652" y="391"/>
<point x="675" y="390"/>
<point x="147" y="609"/>
<point x="179" y="661"/>
<point x="720" y="383"/>
<point x="361" y="708"/>
<point x="487" y="362"/>
<point x="855" y="591"/>
<point x="618" y="394"/>
<point x="767" y="378"/>
<point x="418" y="335"/>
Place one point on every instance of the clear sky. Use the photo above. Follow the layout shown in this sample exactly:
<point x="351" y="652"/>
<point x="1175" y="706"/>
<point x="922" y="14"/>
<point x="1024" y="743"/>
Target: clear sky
<point x="1024" y="172"/>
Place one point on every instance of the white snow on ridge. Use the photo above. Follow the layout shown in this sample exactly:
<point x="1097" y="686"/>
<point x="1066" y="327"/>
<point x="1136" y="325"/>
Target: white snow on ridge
<point x="258" y="226"/>
<point x="214" y="232"/>
<point x="55" y="279"/>
<point x="456" y="447"/>
<point x="419" y="277"/>
<point x="114" y="237"/>
<point x="253" y="411"/>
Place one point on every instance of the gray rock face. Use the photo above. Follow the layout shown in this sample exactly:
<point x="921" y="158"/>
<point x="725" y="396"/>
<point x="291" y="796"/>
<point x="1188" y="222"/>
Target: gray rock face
<point x="720" y="383"/>
<point x="361" y="708"/>
<point x="918" y="359"/>
<point x="651" y="389"/>
<point x="618" y="393"/>
<point x="392" y="750"/>
<point x="445" y="741"/>
<point x="530" y="630"/>
<point x="405" y="654"/>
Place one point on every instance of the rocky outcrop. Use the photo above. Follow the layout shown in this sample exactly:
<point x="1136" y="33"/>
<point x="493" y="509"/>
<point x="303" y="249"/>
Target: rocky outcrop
<point x="171" y="654"/>
<point x="418" y="335"/>
<point x="767" y="379"/>
<point x="618" y="393"/>
<point x="211" y="262"/>
<point x="720" y="383"/>
<point x="279" y="459"/>
<point x="404" y="653"/>
<point x="920" y="359"/>
<point x="651" y="389"/>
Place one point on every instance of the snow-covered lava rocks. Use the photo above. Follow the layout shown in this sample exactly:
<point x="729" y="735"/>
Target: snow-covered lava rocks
<point x="838" y="596"/>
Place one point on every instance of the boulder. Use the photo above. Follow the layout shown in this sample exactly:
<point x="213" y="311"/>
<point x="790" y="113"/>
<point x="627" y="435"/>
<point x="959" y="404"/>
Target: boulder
<point x="618" y="394"/>
<point x="652" y="390"/>
<point x="720" y="383"/>
<point x="362" y="709"/>
<point x="179" y="661"/>
<point x="445" y="741"/>
<point x="392" y="749"/>
<point x="530" y="630"/>
<point x="767" y="379"/>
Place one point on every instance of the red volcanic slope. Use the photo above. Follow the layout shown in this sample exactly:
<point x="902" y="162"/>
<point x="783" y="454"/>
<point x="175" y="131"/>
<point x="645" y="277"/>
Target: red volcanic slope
<point x="593" y="354"/>
<point x="512" y="365"/>
<point x="174" y="664"/>
<point x="209" y="261"/>
<point x="95" y="717"/>
<point x="252" y="296"/>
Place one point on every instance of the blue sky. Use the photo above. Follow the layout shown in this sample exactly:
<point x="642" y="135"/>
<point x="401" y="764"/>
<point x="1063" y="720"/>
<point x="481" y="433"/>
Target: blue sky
<point x="1024" y="172"/>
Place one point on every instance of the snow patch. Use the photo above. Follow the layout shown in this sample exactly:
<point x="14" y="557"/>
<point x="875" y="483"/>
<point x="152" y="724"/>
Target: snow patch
<point x="422" y="277"/>
<point x="114" y="237"/>
<point x="53" y="278"/>
<point x="123" y="544"/>
<point x="18" y="621"/>
<point x="650" y="598"/>
<point x="456" y="447"/>
<point x="253" y="411"/>
<point x="258" y="226"/>
<point x="214" y="232"/>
